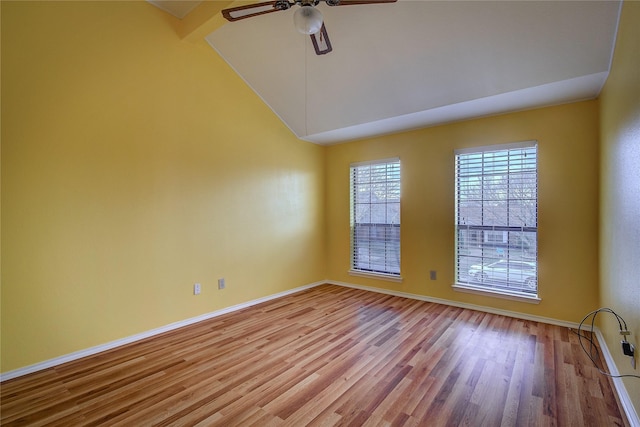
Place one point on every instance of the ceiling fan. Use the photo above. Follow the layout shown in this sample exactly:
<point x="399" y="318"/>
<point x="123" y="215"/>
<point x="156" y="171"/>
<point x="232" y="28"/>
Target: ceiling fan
<point x="307" y="19"/>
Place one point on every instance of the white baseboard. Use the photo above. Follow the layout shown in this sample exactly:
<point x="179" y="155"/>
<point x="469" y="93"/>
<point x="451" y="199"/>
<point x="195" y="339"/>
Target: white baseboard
<point x="137" y="337"/>
<point x="623" y="395"/>
<point x="482" y="308"/>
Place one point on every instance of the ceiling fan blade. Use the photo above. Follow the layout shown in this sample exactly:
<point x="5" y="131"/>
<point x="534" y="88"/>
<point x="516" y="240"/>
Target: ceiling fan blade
<point x="251" y="10"/>
<point x="349" y="2"/>
<point x="321" y="42"/>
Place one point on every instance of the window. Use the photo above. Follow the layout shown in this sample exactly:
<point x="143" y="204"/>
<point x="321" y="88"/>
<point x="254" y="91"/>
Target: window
<point x="497" y="218"/>
<point x="375" y="217"/>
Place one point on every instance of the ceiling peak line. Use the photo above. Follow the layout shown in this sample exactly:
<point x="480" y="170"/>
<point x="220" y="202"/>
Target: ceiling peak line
<point x="306" y="89"/>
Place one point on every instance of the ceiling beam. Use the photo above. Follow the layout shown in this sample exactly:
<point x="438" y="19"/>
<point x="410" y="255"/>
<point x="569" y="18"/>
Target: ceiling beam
<point x="202" y="20"/>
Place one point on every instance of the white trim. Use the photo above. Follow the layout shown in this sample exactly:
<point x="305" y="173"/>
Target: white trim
<point x="623" y="395"/>
<point x="514" y="296"/>
<point x="137" y="337"/>
<point x="496" y="147"/>
<point x="614" y="42"/>
<point x="374" y="162"/>
<point x="482" y="308"/>
<point x="378" y="276"/>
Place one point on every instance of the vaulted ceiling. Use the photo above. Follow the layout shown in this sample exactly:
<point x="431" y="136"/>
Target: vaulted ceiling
<point x="414" y="64"/>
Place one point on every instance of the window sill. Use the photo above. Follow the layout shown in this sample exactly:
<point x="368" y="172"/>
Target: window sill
<point x="378" y="276"/>
<point x="515" y="296"/>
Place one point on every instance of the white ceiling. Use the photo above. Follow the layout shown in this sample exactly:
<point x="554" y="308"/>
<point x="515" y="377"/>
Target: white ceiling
<point x="413" y="64"/>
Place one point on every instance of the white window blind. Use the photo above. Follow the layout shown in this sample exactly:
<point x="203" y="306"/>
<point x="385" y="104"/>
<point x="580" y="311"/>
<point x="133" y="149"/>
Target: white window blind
<point x="375" y="217"/>
<point x="497" y="217"/>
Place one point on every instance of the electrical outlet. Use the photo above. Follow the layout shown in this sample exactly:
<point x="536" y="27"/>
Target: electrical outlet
<point x="432" y="275"/>
<point x="221" y="284"/>
<point x="196" y="289"/>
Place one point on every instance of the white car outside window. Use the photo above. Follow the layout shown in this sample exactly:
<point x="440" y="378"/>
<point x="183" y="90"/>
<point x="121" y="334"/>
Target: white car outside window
<point x="519" y="273"/>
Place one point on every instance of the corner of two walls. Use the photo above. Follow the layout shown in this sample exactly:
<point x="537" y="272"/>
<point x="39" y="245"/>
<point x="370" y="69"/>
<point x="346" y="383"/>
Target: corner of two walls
<point x="133" y="166"/>
<point x="568" y="153"/>
<point x="620" y="196"/>
<point x="129" y="173"/>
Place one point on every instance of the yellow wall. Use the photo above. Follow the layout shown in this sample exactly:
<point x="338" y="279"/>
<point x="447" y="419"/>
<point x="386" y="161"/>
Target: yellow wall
<point x="567" y="210"/>
<point x="620" y="186"/>
<point x="134" y="165"/>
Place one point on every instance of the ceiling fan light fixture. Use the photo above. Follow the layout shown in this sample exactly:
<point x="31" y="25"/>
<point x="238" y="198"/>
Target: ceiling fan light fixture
<point x="307" y="19"/>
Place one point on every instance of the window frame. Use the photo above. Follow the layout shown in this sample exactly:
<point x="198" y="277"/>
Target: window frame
<point x="486" y="233"/>
<point x="390" y="230"/>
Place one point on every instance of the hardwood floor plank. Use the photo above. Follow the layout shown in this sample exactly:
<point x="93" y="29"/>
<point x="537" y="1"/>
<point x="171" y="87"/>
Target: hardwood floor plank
<point x="516" y="385"/>
<point x="321" y="405"/>
<point x="328" y="356"/>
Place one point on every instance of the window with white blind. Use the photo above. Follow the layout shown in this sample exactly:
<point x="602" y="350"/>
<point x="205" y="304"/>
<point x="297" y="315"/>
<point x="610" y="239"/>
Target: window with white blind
<point x="497" y="218"/>
<point x="375" y="217"/>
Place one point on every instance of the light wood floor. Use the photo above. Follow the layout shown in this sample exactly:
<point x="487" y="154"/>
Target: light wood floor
<point x="328" y="356"/>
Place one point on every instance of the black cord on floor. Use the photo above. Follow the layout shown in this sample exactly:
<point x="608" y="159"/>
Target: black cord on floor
<point x="592" y="346"/>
